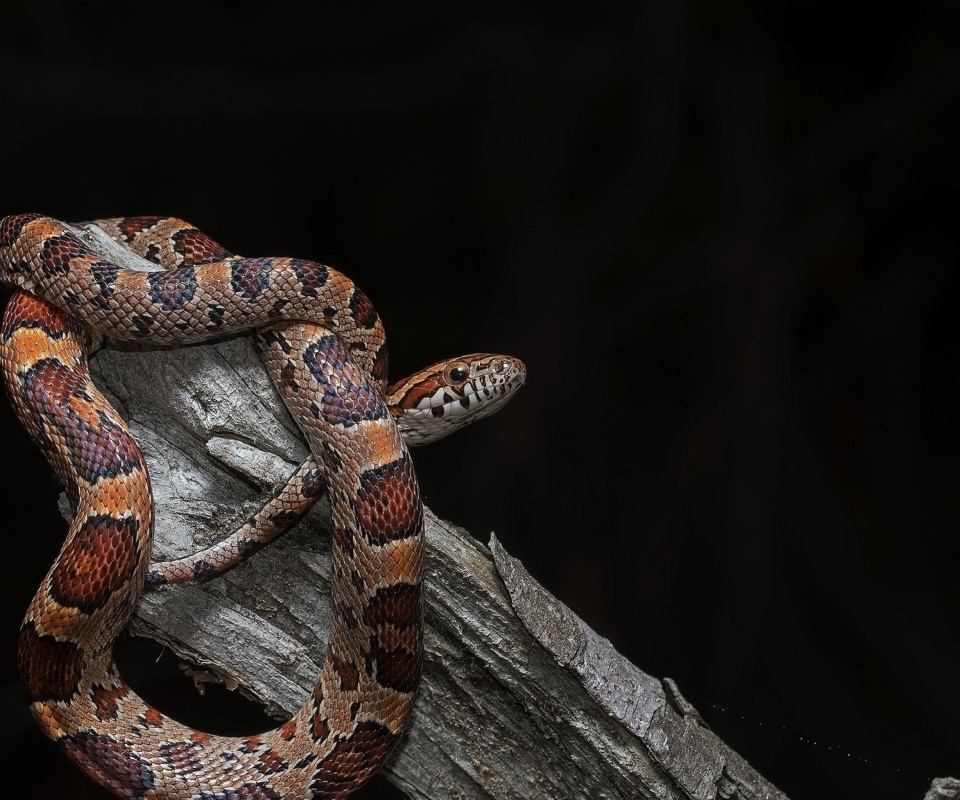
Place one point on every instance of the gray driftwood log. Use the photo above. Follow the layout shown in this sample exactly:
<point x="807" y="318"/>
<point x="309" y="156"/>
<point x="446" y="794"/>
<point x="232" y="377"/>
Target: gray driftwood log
<point x="519" y="698"/>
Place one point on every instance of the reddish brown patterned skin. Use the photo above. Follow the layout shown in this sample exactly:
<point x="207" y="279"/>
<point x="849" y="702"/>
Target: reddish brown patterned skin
<point x="325" y="351"/>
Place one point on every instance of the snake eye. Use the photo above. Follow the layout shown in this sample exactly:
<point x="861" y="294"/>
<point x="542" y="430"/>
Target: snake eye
<point x="456" y="372"/>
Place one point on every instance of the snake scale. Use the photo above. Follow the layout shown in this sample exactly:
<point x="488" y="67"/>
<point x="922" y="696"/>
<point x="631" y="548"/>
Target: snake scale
<point x="323" y="344"/>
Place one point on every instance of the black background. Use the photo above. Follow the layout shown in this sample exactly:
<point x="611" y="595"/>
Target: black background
<point x="721" y="237"/>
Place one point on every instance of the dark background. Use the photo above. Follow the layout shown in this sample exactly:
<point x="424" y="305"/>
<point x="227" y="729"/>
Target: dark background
<point x="723" y="240"/>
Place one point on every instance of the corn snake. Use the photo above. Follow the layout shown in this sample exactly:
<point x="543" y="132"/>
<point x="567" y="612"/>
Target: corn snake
<point x="324" y="346"/>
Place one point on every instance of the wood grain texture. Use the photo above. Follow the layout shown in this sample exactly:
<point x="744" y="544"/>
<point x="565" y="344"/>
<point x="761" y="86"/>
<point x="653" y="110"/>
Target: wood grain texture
<point x="520" y="699"/>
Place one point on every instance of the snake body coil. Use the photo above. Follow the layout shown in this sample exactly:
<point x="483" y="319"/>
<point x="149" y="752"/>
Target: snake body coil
<point x="323" y="344"/>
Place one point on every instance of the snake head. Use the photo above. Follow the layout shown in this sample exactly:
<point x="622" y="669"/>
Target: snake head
<point x="451" y="394"/>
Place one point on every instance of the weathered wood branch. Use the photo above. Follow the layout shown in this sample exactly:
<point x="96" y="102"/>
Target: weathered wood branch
<point x="519" y="698"/>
